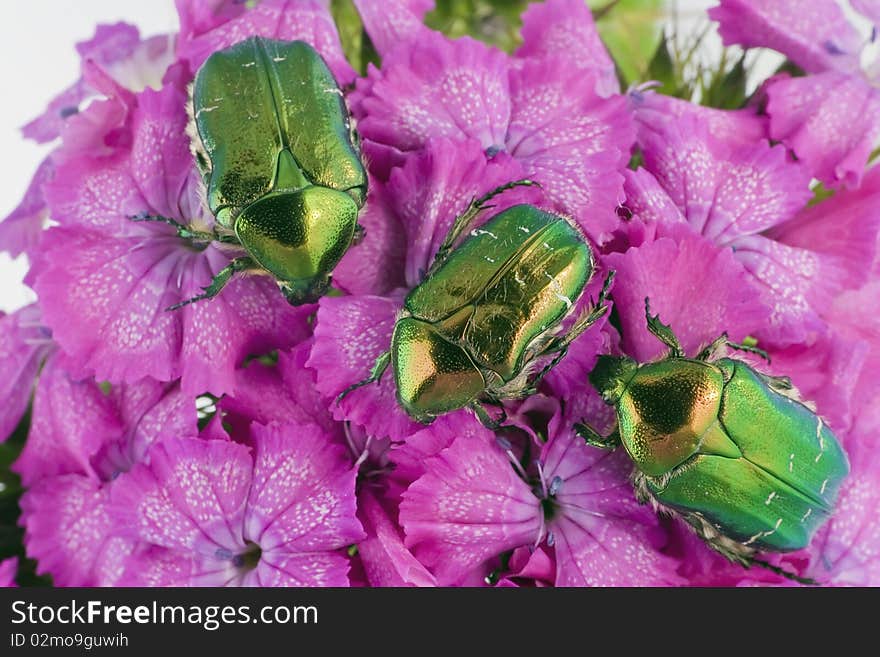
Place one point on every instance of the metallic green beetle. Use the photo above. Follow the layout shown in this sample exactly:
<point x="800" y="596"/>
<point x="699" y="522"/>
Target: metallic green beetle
<point x="281" y="163"/>
<point x="486" y="310"/>
<point x="733" y="451"/>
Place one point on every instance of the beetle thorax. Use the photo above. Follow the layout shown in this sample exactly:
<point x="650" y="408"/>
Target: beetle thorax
<point x="666" y="409"/>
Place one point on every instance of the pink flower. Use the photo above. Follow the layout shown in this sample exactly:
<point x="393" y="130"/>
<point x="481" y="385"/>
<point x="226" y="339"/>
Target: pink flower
<point x="210" y="25"/>
<point x="472" y="504"/>
<point x="81" y="439"/>
<point x="697" y="288"/>
<point x="830" y="119"/>
<point x="24" y="344"/>
<point x="218" y="515"/>
<point x="545" y="112"/>
<point x="106" y="281"/>
<point x="749" y="198"/>
<point x="115" y="60"/>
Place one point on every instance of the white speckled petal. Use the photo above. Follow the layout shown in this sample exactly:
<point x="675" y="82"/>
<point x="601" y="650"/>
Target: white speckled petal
<point x="603" y="537"/>
<point x="847" y="550"/>
<point x="70" y="532"/>
<point x="304" y="20"/>
<point x="698" y="288"/>
<point x="393" y="22"/>
<point x="831" y="121"/>
<point x="436" y="87"/>
<point x="571" y="140"/>
<point x="72" y="422"/>
<point x="743" y="127"/>
<point x="191" y="497"/>
<point x="815" y="35"/>
<point x="385" y="559"/>
<point x="724" y="189"/>
<point x="351" y="332"/>
<point x="24" y="344"/>
<point x="437" y="184"/>
<point x="470" y="506"/>
<point x="302" y="498"/>
<point x="566" y="28"/>
<point x="797" y="284"/>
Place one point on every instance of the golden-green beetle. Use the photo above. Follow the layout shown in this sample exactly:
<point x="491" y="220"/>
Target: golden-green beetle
<point x="473" y="330"/>
<point x="283" y="171"/>
<point x="731" y="450"/>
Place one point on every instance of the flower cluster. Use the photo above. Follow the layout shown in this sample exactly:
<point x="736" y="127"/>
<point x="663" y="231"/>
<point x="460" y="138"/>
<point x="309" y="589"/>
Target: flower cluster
<point x="206" y="445"/>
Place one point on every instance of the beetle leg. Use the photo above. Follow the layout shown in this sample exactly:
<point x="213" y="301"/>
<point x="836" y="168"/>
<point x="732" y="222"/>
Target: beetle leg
<point x="750" y="349"/>
<point x="376" y="373"/>
<point x="782" y="571"/>
<point x="359" y="234"/>
<point x="220" y="280"/>
<point x="463" y="221"/>
<point x="485" y="419"/>
<point x="589" y="317"/>
<point x="595" y="439"/>
<point x="183" y="231"/>
<point x="663" y="332"/>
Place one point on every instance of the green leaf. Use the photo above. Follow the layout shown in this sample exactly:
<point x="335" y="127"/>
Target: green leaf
<point x="496" y="22"/>
<point x="631" y="30"/>
<point x="728" y="90"/>
<point x="356" y="43"/>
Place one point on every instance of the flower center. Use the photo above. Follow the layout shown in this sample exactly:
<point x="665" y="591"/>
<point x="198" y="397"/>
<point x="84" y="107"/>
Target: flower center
<point x="248" y="559"/>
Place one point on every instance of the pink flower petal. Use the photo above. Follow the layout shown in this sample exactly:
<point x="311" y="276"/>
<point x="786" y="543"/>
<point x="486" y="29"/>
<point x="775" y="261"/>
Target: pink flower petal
<point x="842" y="230"/>
<point x="825" y="373"/>
<point x="846" y="550"/>
<point x="375" y="265"/>
<point x="435" y="87"/>
<point x="468" y="507"/>
<point x="303" y="20"/>
<point x="24" y="344"/>
<point x="190" y="498"/>
<point x="110" y="44"/>
<point x="20" y="230"/>
<point x="307" y="569"/>
<point x="697" y="288"/>
<point x="393" y="22"/>
<point x="831" y="121"/>
<point x="8" y="570"/>
<point x="816" y="35"/>
<point x="566" y="28"/>
<point x="302" y="499"/>
<point x="741" y="127"/>
<point x="724" y="190"/>
<point x="436" y="185"/>
<point x="571" y="140"/>
<point x="647" y="199"/>
<point x="795" y="283"/>
<point x="868" y="8"/>
<point x="411" y="456"/>
<point x="603" y="537"/>
<point x="70" y="532"/>
<point x="71" y="422"/>
<point x="280" y="393"/>
<point x="350" y="334"/>
<point x="385" y="559"/>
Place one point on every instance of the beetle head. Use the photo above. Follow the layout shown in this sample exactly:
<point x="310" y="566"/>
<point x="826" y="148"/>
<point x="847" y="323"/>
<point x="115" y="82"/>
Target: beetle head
<point x="611" y="375"/>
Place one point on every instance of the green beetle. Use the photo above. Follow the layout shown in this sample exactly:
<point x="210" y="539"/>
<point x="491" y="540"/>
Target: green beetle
<point x="283" y="171"/>
<point x="731" y="450"/>
<point x="472" y="330"/>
